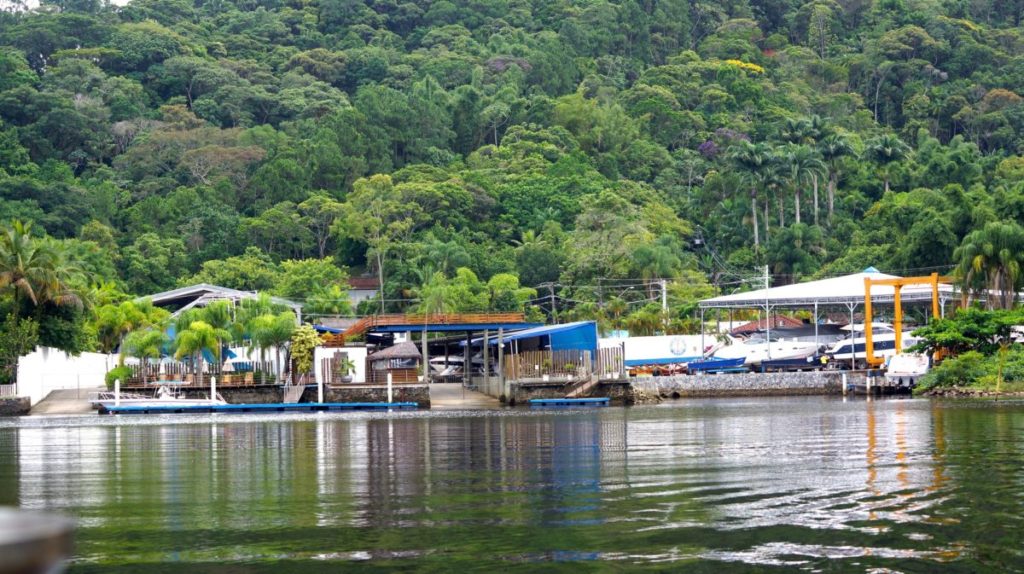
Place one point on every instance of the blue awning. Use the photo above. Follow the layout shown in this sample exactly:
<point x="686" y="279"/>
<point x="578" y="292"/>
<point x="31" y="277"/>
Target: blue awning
<point x="332" y="330"/>
<point x="578" y="336"/>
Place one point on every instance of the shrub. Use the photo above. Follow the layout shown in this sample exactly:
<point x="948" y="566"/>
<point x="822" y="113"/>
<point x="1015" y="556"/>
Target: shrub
<point x="122" y="372"/>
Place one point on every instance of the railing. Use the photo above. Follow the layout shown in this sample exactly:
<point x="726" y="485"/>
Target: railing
<point x="251" y="373"/>
<point x="569" y="365"/>
<point x="8" y="390"/>
<point x="551" y="364"/>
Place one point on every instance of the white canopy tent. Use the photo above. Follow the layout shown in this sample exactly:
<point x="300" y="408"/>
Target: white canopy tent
<point x="846" y="291"/>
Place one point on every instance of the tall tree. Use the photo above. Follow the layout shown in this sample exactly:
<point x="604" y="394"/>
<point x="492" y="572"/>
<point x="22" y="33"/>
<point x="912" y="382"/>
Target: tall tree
<point x="834" y="149"/>
<point x="886" y="151"/>
<point x="989" y="259"/>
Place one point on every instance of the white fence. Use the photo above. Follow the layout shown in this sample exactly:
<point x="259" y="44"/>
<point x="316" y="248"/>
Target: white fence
<point x="8" y="390"/>
<point x="46" y="370"/>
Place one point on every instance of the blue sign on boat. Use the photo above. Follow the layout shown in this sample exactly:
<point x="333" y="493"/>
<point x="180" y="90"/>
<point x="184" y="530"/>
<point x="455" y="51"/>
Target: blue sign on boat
<point x="592" y="402"/>
<point x="254" y="408"/>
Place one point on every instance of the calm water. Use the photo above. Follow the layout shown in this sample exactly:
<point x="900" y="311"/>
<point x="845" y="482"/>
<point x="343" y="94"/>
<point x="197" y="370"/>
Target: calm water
<point x="812" y="484"/>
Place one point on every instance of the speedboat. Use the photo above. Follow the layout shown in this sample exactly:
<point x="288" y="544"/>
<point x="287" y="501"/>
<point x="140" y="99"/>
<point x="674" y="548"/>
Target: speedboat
<point x="906" y="368"/>
<point x="764" y="346"/>
<point x="164" y="397"/>
<point x="854" y="346"/>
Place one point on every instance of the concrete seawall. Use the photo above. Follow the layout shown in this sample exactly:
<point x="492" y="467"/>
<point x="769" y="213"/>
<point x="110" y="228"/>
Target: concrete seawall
<point x="749" y="384"/>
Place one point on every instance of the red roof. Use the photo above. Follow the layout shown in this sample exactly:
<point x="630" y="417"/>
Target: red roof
<point x="778" y="322"/>
<point x="368" y="283"/>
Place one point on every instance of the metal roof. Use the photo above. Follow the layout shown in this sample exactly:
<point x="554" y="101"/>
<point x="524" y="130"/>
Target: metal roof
<point x="203" y="293"/>
<point x="847" y="290"/>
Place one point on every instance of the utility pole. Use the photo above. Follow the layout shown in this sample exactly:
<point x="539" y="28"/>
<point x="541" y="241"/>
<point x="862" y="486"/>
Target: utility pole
<point x="554" y="307"/>
<point x="664" y="296"/>
<point x="767" y="313"/>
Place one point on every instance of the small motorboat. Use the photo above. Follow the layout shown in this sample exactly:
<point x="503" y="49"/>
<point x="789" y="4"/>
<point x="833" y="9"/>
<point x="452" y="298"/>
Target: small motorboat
<point x="906" y="369"/>
<point x="164" y="397"/>
<point x="715" y="365"/>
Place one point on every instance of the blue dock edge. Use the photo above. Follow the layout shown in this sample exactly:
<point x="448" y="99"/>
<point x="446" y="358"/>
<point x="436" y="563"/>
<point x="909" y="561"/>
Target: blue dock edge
<point x="256" y="408"/>
<point x="597" y="402"/>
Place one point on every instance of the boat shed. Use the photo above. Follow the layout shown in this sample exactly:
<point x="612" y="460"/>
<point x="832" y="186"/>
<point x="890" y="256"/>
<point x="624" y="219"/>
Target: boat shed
<point x="578" y="336"/>
<point x="845" y="292"/>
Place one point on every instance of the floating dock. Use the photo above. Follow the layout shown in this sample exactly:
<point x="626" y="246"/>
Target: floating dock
<point x="255" y="408"/>
<point x="589" y="402"/>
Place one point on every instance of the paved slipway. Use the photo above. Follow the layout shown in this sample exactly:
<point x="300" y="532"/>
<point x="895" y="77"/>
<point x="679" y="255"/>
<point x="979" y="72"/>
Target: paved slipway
<point x="69" y="402"/>
<point x="452" y="396"/>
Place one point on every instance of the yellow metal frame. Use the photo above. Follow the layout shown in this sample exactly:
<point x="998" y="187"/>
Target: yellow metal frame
<point x="897" y="284"/>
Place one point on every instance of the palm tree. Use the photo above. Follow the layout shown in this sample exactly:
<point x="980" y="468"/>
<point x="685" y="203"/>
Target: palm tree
<point x="272" y="331"/>
<point x="144" y="345"/>
<point x="752" y="159"/>
<point x="37" y="271"/>
<point x="804" y="164"/>
<point x="834" y="148"/>
<point x="990" y="259"/>
<point x="197" y="337"/>
<point x="886" y="150"/>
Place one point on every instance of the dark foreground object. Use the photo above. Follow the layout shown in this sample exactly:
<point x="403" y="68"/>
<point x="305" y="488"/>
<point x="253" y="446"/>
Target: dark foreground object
<point x="589" y="402"/>
<point x="255" y="408"/>
<point x="33" y="542"/>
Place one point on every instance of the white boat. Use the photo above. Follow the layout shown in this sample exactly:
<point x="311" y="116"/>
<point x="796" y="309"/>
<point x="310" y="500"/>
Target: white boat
<point x="760" y="348"/>
<point x="164" y="397"/>
<point x="663" y="349"/>
<point x="906" y="368"/>
<point x="854" y="347"/>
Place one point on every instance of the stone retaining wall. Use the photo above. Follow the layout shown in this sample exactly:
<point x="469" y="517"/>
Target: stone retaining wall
<point x="749" y="384"/>
<point x="419" y="394"/>
<point x="15" y="406"/>
<point x="240" y="395"/>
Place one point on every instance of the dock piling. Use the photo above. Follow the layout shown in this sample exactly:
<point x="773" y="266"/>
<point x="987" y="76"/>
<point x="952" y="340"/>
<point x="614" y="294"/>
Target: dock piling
<point x="389" y="387"/>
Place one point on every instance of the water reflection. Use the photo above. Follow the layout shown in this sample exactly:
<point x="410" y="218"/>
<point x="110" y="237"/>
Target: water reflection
<point x="801" y="482"/>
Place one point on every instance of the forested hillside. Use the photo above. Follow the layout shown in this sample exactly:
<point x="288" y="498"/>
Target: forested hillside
<point x="468" y="150"/>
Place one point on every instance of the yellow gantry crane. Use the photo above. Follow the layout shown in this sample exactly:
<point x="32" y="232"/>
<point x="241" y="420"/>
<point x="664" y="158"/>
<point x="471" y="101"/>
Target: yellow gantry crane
<point x="897" y="284"/>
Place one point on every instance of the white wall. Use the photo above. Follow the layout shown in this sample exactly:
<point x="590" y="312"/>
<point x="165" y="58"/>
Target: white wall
<point x="46" y="369"/>
<point x="357" y="354"/>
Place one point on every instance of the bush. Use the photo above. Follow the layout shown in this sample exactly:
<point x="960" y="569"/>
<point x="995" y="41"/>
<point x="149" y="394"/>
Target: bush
<point x="123" y="372"/>
<point x="965" y="369"/>
<point x="973" y="368"/>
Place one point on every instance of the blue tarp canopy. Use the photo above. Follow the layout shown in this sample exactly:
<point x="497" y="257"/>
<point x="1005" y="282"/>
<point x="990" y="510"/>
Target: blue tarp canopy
<point x="332" y="330"/>
<point x="579" y="336"/>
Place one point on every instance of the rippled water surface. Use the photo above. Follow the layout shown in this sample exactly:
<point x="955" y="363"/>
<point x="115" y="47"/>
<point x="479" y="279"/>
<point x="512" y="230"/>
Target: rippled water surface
<point x="813" y="484"/>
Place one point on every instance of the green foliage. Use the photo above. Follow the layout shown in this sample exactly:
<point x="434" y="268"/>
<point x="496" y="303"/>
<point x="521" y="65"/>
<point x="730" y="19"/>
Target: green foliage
<point x="304" y="341"/>
<point x="18" y="337"/>
<point x="969" y="329"/>
<point x="565" y="143"/>
<point x="118" y="373"/>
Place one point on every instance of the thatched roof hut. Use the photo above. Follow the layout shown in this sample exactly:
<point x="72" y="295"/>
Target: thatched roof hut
<point x="406" y="350"/>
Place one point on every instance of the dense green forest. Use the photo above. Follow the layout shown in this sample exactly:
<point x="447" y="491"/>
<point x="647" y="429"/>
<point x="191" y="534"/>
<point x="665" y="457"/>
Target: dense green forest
<point x="547" y="155"/>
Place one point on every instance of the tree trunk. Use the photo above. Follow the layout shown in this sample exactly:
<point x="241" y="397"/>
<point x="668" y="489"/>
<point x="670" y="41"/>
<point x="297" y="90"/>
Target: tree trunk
<point x="767" y="203"/>
<point x="753" y="212"/>
<point x="782" y="213"/>
<point x="886" y="183"/>
<point x="833" y="179"/>
<point x="380" y="277"/>
<point x="796" y="204"/>
<point x="814" y="181"/>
